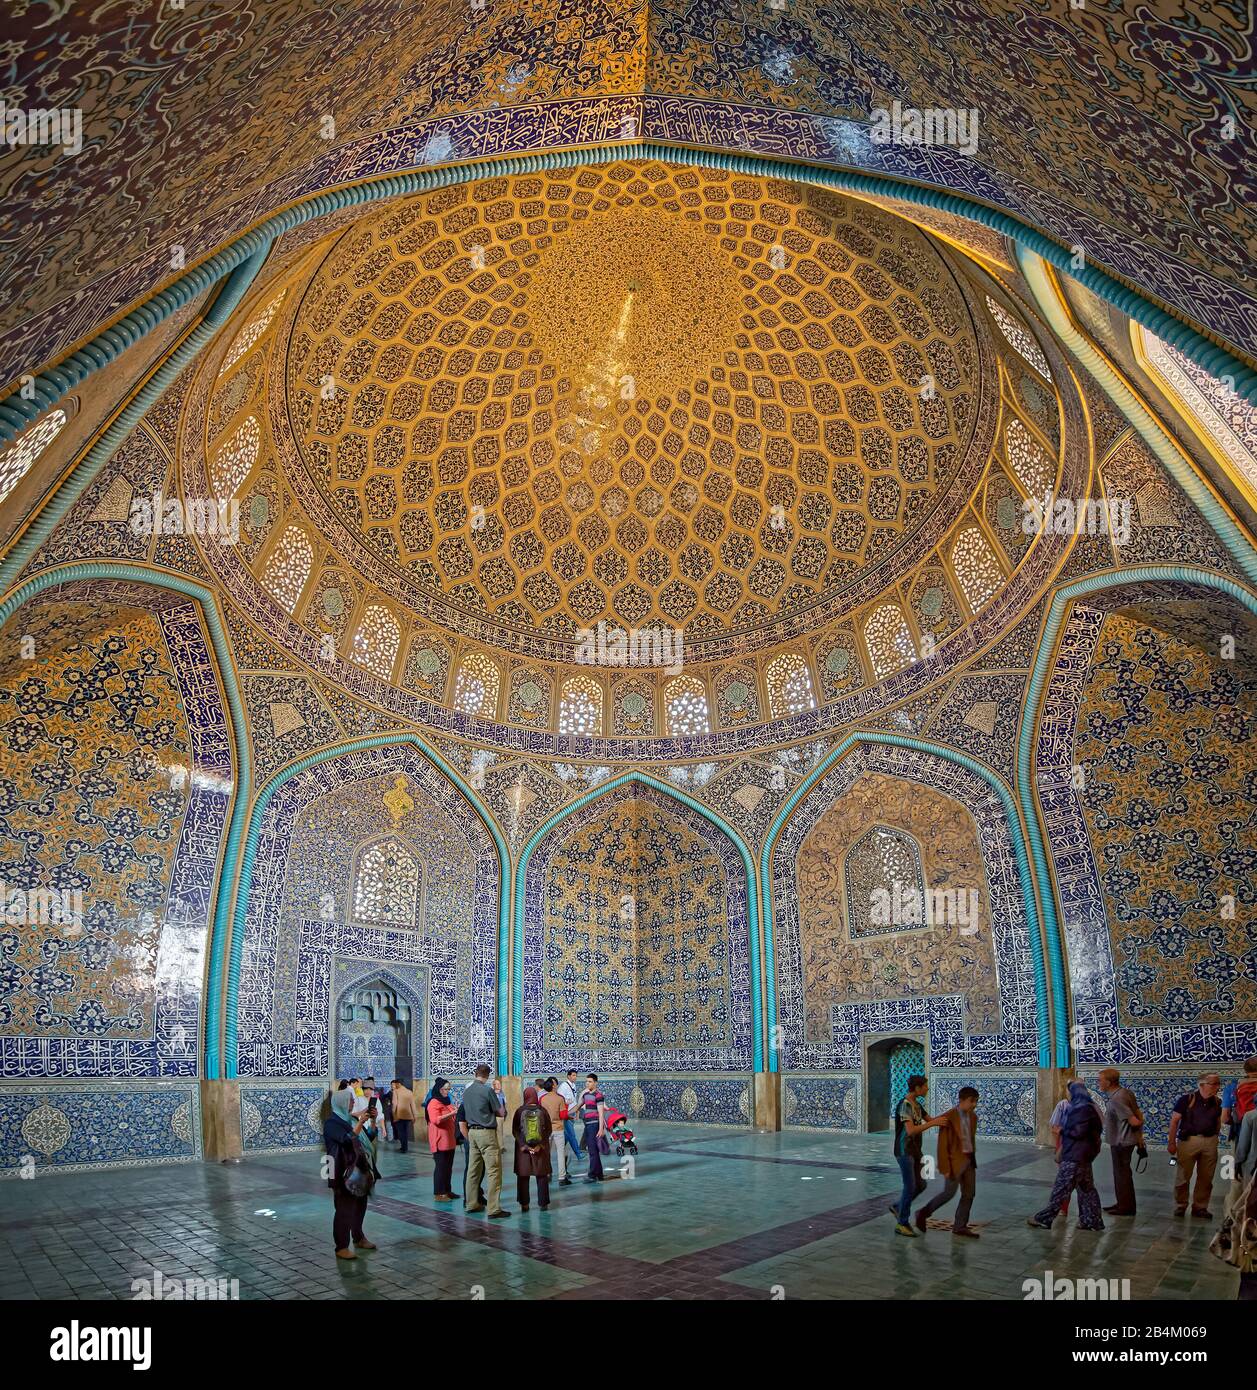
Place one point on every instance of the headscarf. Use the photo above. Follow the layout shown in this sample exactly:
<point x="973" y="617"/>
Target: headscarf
<point x="530" y="1095"/>
<point x="342" y="1104"/>
<point x="1079" y="1095"/>
<point x="435" y="1093"/>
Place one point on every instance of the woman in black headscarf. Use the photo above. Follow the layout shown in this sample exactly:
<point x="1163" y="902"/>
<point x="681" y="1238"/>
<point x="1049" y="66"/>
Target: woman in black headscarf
<point x="1080" y="1144"/>
<point x="441" y="1139"/>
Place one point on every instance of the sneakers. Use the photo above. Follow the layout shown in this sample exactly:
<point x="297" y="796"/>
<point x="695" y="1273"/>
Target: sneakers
<point x="902" y="1230"/>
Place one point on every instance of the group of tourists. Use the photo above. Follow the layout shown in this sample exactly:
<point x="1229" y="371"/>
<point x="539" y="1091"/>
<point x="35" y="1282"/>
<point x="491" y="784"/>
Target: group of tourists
<point x="543" y="1129"/>
<point x="1080" y="1128"/>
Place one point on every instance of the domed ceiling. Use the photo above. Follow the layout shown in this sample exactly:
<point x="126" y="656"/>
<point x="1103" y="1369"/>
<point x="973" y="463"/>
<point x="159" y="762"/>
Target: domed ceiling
<point x="639" y="394"/>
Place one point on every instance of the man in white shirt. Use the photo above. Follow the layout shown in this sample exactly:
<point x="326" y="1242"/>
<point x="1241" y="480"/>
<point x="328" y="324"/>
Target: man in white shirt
<point x="567" y="1089"/>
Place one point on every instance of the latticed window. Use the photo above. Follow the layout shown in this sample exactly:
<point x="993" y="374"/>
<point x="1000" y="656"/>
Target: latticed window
<point x="1030" y="460"/>
<point x="882" y="872"/>
<point x="1019" y="337"/>
<point x="789" y="685"/>
<point x="889" y="639"/>
<point x="234" y="459"/>
<point x="16" y="460"/>
<point x="252" y="331"/>
<point x="976" y="567"/>
<point x="288" y="567"/>
<point x="386" y="884"/>
<point x="376" y="642"/>
<point x="476" y="685"/>
<point x="685" y="699"/>
<point x="580" y="706"/>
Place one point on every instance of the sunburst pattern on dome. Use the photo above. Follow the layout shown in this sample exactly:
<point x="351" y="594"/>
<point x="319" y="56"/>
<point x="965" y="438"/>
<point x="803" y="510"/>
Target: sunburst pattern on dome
<point x="639" y="394"/>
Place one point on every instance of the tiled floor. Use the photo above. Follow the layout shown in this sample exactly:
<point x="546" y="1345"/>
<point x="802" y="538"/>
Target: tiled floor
<point x="709" y="1213"/>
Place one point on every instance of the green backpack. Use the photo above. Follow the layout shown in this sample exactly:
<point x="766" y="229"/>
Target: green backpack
<point x="530" y="1125"/>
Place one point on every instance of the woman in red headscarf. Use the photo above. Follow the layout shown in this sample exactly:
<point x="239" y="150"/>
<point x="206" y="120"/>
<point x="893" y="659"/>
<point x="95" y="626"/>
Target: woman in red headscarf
<point x="531" y="1128"/>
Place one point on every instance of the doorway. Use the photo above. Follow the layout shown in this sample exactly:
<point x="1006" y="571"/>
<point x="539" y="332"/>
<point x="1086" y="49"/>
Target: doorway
<point x="888" y="1063"/>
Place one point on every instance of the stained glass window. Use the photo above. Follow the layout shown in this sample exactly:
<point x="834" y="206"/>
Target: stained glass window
<point x="580" y="706"/>
<point x="288" y="567"/>
<point x="789" y="685"/>
<point x="234" y="459"/>
<point x="889" y="639"/>
<point x="882" y="872"/>
<point x="976" y="567"/>
<point x="1019" y="337"/>
<point x="16" y="460"/>
<point x="386" y="884"/>
<point x="376" y="642"/>
<point x="252" y="331"/>
<point x="686" y="702"/>
<point x="476" y="686"/>
<point x="1034" y="468"/>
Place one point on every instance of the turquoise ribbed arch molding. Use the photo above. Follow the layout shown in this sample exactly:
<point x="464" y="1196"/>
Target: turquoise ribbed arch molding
<point x="248" y="858"/>
<point x="1045" y="661"/>
<point x="212" y="615"/>
<point x="521" y="872"/>
<point x="1050" y="1014"/>
<point x="54" y="383"/>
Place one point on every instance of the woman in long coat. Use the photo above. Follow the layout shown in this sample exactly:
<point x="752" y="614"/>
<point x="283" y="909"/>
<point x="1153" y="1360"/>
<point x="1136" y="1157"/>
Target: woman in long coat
<point x="531" y="1127"/>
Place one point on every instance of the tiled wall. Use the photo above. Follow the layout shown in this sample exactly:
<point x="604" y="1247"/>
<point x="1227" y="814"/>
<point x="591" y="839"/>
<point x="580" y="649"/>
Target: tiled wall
<point x="711" y="1100"/>
<point x="86" y="1125"/>
<point x="822" y="1102"/>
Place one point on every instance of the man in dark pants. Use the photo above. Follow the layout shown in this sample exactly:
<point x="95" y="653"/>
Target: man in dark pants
<point x="1123" y="1132"/>
<point x="593" y="1113"/>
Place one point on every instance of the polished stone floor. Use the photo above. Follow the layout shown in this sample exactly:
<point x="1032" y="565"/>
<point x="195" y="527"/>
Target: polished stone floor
<point x="709" y="1213"/>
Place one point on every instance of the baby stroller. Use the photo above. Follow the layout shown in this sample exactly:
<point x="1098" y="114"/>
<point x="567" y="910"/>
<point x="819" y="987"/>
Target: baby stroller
<point x="620" y="1134"/>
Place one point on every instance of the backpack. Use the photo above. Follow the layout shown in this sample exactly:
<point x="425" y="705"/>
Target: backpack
<point x="530" y="1125"/>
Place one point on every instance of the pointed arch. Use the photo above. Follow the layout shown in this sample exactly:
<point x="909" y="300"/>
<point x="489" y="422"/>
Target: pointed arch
<point x="207" y="603"/>
<point x="248" y="860"/>
<point x="557" y="819"/>
<point x="1050" y="1015"/>
<point x="1030" y="756"/>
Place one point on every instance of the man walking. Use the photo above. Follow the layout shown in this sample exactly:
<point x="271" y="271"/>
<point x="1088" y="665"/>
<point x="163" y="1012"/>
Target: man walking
<point x="403" y="1110"/>
<point x="593" y="1113"/>
<point x="481" y="1107"/>
<point x="1123" y="1133"/>
<point x="1194" y="1127"/>
<point x="958" y="1163"/>
<point x="911" y="1121"/>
